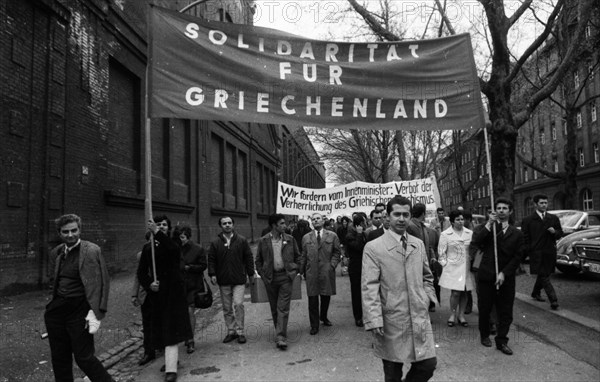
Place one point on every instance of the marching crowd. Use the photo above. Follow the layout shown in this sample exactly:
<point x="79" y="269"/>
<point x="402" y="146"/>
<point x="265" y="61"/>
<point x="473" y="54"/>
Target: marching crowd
<point x="395" y="261"/>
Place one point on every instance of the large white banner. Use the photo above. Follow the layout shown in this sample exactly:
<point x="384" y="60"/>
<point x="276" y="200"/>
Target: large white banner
<point x="353" y="197"/>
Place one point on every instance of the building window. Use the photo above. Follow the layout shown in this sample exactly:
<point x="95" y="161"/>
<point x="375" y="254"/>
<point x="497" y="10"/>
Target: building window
<point x="587" y="201"/>
<point x="528" y="206"/>
<point x="596" y="153"/>
<point x="579" y="120"/>
<point x="588" y="31"/>
<point x="594" y="112"/>
<point x="543" y="138"/>
<point x="591" y="71"/>
<point x="535" y="175"/>
<point x="556" y="165"/>
<point x="564" y="126"/>
<point x="581" y="157"/>
<point x="553" y="133"/>
<point x="576" y="78"/>
<point x="525" y="175"/>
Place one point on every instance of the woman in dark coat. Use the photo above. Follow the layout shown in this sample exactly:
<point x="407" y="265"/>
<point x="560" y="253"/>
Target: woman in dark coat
<point x="170" y="321"/>
<point x="194" y="264"/>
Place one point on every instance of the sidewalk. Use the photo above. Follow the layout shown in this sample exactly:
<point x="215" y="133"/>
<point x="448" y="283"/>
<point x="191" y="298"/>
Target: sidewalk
<point x="342" y="352"/>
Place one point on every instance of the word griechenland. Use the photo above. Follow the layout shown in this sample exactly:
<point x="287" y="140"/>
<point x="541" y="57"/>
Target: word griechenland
<point x="302" y="69"/>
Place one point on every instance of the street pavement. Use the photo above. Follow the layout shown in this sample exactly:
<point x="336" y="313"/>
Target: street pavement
<point x="343" y="352"/>
<point x="561" y="345"/>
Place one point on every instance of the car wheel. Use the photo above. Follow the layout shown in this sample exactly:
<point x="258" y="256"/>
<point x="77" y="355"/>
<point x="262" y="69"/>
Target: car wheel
<point x="569" y="270"/>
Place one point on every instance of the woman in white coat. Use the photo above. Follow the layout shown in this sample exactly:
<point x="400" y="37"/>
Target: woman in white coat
<point x="453" y="251"/>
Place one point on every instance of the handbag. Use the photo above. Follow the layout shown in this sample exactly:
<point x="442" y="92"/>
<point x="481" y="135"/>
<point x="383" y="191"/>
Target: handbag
<point x="203" y="299"/>
<point x="476" y="262"/>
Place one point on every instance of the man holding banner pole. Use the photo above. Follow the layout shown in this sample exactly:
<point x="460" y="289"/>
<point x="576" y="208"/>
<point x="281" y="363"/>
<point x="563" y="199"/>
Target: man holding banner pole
<point x="496" y="280"/>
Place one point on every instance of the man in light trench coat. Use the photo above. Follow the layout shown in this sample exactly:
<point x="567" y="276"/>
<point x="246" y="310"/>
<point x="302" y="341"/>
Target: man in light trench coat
<point x="397" y="288"/>
<point x="320" y="255"/>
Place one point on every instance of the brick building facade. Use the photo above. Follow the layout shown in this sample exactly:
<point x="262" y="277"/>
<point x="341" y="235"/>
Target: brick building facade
<point x="72" y="139"/>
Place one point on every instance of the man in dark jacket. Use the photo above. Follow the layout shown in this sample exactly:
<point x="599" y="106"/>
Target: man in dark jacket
<point x="170" y="321"/>
<point x="79" y="302"/>
<point x="541" y="230"/>
<point x="497" y="287"/>
<point x="229" y="262"/>
<point x="277" y="262"/>
<point x="356" y="238"/>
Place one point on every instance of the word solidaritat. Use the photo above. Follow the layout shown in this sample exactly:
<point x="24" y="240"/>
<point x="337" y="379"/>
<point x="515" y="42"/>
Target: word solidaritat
<point x="202" y="69"/>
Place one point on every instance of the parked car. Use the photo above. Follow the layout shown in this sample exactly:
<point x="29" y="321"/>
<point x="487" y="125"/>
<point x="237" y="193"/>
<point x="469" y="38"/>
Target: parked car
<point x="574" y="220"/>
<point x="588" y="252"/>
<point x="566" y="259"/>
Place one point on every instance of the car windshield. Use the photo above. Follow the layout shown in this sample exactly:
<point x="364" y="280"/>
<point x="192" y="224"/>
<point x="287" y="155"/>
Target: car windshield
<point x="569" y="218"/>
<point x="593" y="220"/>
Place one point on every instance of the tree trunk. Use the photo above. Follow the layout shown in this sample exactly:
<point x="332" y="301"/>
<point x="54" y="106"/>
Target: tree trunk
<point x="571" y="159"/>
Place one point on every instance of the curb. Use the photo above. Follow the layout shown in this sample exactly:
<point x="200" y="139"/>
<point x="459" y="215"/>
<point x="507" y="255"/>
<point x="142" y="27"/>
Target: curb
<point x="567" y="314"/>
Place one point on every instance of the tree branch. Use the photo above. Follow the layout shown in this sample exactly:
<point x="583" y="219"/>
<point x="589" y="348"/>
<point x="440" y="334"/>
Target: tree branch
<point x="553" y="175"/>
<point x="583" y="16"/>
<point x="374" y="24"/>
<point x="444" y="17"/>
<point x="536" y="43"/>
<point x="519" y="12"/>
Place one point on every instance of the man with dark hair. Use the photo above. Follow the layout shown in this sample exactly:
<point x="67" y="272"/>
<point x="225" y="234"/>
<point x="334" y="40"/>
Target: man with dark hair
<point x="355" y="243"/>
<point x="169" y="319"/>
<point x="441" y="223"/>
<point x="194" y="263"/>
<point x="496" y="287"/>
<point x="541" y="230"/>
<point x="380" y="207"/>
<point x="320" y="255"/>
<point x="230" y="262"/>
<point x="397" y="287"/>
<point x="79" y="302"/>
<point x="376" y="221"/>
<point x="277" y="262"/>
<point x="416" y="227"/>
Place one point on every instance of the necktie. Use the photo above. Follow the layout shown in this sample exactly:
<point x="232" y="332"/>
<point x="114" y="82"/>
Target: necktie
<point x="319" y="237"/>
<point x="543" y="215"/>
<point x="404" y="246"/>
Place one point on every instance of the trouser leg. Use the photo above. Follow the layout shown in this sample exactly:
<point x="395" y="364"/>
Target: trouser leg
<point x="238" y="305"/>
<point x="147" y="325"/>
<point x="421" y="371"/>
<point x="171" y="358"/>
<point x="60" y="347"/>
<point x="313" y="311"/>
<point x="547" y="285"/>
<point x="392" y="371"/>
<point x="324" y="307"/>
<point x="283" y="306"/>
<point x="537" y="287"/>
<point x="504" y="306"/>
<point x="486" y="293"/>
<point x="227" y="301"/>
<point x="355" y="294"/>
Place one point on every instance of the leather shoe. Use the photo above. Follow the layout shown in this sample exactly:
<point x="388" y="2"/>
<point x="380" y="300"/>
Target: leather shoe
<point x="190" y="347"/>
<point x="538" y="297"/>
<point x="359" y="323"/>
<point x="282" y="345"/>
<point x="326" y="322"/>
<point x="554" y="305"/>
<point x="504" y="349"/>
<point x="242" y="339"/>
<point x="486" y="342"/>
<point x="146" y="359"/>
<point x="230" y="337"/>
<point x="171" y="377"/>
<point x="314" y="331"/>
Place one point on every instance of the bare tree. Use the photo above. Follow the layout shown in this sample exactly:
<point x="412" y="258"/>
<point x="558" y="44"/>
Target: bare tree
<point x="497" y="86"/>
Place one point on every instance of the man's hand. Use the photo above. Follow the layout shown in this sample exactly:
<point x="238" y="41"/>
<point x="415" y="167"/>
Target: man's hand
<point x="551" y="230"/>
<point x="213" y="280"/>
<point x="500" y="279"/>
<point x="154" y="286"/>
<point x="152" y="227"/>
<point x="135" y="301"/>
<point x="377" y="332"/>
<point x="360" y="229"/>
<point x="186" y="267"/>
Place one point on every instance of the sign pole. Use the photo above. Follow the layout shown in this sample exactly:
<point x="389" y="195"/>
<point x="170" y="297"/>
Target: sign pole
<point x="148" y="145"/>
<point x="489" y="171"/>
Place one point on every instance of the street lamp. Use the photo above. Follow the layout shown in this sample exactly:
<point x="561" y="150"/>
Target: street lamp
<point x="302" y="168"/>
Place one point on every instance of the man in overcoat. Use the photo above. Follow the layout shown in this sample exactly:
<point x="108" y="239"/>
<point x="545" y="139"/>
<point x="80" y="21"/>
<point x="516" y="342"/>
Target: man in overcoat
<point x="496" y="287"/>
<point x="356" y="239"/>
<point x="541" y="230"/>
<point x="277" y="262"/>
<point x="320" y="255"/>
<point x="170" y="320"/>
<point x="397" y="288"/>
